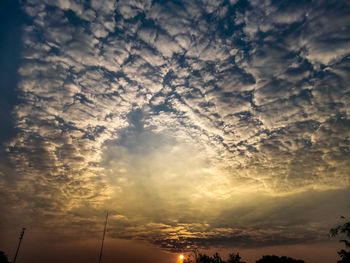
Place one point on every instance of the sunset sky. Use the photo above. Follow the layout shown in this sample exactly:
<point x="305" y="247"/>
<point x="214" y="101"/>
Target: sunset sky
<point x="212" y="124"/>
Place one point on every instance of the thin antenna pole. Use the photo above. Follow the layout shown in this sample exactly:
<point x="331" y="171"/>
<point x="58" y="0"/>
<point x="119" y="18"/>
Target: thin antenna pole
<point x="103" y="238"/>
<point x="19" y="244"/>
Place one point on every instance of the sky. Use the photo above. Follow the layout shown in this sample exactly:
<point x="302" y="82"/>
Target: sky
<point x="216" y="125"/>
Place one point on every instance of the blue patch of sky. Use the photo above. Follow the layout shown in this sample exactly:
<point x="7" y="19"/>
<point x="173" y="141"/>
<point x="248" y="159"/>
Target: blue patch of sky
<point x="11" y="22"/>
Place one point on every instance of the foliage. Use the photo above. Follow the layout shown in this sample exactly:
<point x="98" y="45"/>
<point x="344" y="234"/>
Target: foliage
<point x="235" y="258"/>
<point x="3" y="257"/>
<point x="203" y="258"/>
<point x="344" y="230"/>
<point x="276" y="259"/>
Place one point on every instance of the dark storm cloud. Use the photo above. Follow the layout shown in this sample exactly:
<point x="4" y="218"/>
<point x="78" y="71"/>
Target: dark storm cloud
<point x="174" y="112"/>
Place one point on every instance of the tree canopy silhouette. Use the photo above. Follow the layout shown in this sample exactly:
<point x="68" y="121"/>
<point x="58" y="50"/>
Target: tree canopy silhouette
<point x="235" y="258"/>
<point x="343" y="230"/>
<point x="3" y="258"/>
<point x="216" y="258"/>
<point x="276" y="259"/>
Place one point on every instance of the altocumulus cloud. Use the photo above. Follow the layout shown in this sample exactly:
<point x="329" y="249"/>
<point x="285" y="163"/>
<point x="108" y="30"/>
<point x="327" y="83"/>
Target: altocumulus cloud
<point x="197" y="123"/>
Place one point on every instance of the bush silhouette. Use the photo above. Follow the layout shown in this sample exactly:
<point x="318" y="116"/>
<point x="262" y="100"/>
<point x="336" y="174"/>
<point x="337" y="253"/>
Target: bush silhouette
<point x="3" y="258"/>
<point x="276" y="259"/>
<point x="235" y="258"/>
<point x="203" y="258"/>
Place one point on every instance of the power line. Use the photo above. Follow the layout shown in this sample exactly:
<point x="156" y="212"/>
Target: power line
<point x="103" y="238"/>
<point x="19" y="244"/>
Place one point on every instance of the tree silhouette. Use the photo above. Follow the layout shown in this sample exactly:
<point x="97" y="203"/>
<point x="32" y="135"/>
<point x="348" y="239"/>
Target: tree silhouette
<point x="217" y="258"/>
<point x="343" y="229"/>
<point x="276" y="259"/>
<point x="235" y="258"/>
<point x="203" y="258"/>
<point x="3" y="258"/>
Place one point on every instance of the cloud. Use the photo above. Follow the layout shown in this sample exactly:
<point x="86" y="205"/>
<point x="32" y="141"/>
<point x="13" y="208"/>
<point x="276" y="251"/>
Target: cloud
<point x="197" y="123"/>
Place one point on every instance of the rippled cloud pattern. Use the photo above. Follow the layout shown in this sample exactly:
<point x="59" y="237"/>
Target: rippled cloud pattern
<point x="196" y="123"/>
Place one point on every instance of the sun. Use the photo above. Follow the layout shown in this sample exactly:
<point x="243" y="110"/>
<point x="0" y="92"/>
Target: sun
<point x="181" y="256"/>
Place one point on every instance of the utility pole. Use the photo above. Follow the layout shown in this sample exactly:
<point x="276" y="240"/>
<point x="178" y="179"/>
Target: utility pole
<point x="103" y="238"/>
<point x="19" y="244"/>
